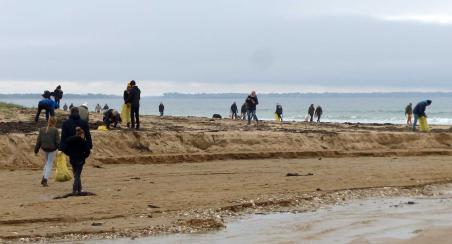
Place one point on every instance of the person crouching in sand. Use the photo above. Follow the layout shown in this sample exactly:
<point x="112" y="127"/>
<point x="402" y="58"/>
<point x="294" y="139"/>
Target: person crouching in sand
<point x="49" y="141"/>
<point x="78" y="150"/>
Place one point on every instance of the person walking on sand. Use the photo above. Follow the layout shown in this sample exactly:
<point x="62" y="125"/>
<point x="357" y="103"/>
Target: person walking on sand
<point x="419" y="111"/>
<point x="65" y="107"/>
<point x="161" y="109"/>
<point x="409" y="114"/>
<point x="49" y="141"/>
<point x="311" y="111"/>
<point x="68" y="129"/>
<point x="234" y="111"/>
<point x="251" y="103"/>
<point x="243" y="110"/>
<point x="58" y="95"/>
<point x="46" y="104"/>
<point x="318" y="113"/>
<point x="134" y="100"/>
<point x="279" y="112"/>
<point x="78" y="150"/>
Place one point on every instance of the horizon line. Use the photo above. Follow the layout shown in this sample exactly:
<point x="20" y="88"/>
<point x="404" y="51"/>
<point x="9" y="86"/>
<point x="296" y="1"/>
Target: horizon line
<point x="240" y="93"/>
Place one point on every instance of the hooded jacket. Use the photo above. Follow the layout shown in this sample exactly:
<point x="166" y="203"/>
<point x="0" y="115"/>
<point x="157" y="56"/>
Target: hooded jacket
<point x="311" y="110"/>
<point x="420" y="108"/>
<point x="234" y="108"/>
<point x="77" y="149"/>
<point x="279" y="109"/>
<point x="134" y="96"/>
<point x="68" y="130"/>
<point x="47" y="103"/>
<point x="58" y="94"/>
<point x="318" y="111"/>
<point x="251" y="102"/>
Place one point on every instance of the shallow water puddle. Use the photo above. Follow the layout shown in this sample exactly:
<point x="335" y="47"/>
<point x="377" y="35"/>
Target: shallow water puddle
<point x="373" y="220"/>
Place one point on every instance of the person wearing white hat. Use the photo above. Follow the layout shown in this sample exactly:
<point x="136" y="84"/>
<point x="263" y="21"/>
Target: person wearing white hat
<point x="84" y="112"/>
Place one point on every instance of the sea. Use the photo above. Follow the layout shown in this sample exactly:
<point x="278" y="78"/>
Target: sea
<point x="337" y="107"/>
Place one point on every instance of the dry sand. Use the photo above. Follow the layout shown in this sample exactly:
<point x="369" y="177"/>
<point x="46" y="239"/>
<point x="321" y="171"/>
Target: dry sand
<point x="188" y="174"/>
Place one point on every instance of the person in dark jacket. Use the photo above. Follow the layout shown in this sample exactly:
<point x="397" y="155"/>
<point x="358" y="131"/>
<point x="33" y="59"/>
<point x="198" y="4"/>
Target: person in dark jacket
<point x="243" y="110"/>
<point x="419" y="111"/>
<point x="318" y="113"/>
<point x="161" y="109"/>
<point x="251" y="103"/>
<point x="112" y="116"/>
<point x="409" y="114"/>
<point x="58" y="95"/>
<point x="46" y="104"/>
<point x="48" y="140"/>
<point x="78" y="150"/>
<point x="68" y="128"/>
<point x="65" y="107"/>
<point x="311" y="111"/>
<point x="279" y="112"/>
<point x="71" y="106"/>
<point x="105" y="108"/>
<point x="234" y="111"/>
<point x="134" y="100"/>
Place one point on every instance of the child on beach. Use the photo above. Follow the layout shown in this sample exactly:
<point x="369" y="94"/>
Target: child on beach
<point x="78" y="150"/>
<point x="49" y="141"/>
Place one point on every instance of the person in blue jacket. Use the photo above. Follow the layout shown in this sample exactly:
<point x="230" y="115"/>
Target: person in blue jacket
<point x="46" y="104"/>
<point x="419" y="111"/>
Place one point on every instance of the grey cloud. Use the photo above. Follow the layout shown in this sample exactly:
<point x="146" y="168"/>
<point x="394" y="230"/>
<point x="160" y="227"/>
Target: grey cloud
<point x="223" y="42"/>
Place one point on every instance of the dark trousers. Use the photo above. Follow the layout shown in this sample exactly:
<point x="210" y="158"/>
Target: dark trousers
<point x="234" y="115"/>
<point x="77" y="170"/>
<point x="135" y="116"/>
<point x="318" y="117"/>
<point x="57" y="101"/>
<point x="48" y="110"/>
<point x="312" y="117"/>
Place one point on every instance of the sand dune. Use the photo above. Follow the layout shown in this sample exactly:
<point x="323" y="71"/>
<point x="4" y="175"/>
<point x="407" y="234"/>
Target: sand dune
<point x="177" y="139"/>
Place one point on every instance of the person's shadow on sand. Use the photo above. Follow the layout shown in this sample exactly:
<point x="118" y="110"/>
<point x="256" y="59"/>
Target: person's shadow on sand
<point x="81" y="194"/>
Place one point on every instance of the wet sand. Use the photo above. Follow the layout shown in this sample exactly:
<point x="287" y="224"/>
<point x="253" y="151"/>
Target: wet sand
<point x="416" y="219"/>
<point x="183" y="175"/>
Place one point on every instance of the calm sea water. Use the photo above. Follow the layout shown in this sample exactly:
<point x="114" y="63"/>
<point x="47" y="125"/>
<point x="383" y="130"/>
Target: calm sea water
<point x="363" y="108"/>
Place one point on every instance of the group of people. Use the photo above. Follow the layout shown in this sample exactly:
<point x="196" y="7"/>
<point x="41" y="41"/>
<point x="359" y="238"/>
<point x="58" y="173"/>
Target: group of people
<point x="248" y="110"/>
<point x="48" y="104"/>
<point x="75" y="142"/>
<point x="418" y="112"/>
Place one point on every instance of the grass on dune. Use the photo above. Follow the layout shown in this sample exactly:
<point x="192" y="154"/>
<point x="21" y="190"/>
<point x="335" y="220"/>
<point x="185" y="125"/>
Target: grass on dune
<point x="8" y="106"/>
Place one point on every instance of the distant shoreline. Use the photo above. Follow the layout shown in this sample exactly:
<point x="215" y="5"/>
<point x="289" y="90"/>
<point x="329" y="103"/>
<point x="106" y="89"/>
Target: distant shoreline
<point x="235" y="95"/>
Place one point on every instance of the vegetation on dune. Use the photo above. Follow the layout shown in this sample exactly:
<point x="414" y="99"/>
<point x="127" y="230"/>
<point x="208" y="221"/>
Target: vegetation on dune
<point x="9" y="106"/>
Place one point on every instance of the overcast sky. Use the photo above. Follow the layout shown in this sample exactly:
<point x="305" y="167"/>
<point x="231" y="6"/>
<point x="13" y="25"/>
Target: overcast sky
<point x="226" y="46"/>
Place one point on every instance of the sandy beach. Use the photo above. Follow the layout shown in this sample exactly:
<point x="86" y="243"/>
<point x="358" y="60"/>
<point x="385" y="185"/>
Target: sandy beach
<point x="188" y="174"/>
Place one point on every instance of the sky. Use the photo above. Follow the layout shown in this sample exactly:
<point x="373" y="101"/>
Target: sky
<point x="217" y="46"/>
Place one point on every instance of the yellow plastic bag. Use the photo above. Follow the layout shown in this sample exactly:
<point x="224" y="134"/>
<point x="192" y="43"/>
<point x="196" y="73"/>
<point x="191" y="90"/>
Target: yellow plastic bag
<point x="62" y="172"/>
<point x="423" y="124"/>
<point x="277" y="118"/>
<point x="125" y="113"/>
<point x="102" y="128"/>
